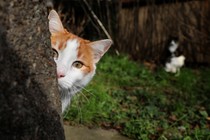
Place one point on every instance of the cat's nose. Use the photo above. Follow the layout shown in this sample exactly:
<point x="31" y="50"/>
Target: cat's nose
<point x="60" y="75"/>
<point x="61" y="71"/>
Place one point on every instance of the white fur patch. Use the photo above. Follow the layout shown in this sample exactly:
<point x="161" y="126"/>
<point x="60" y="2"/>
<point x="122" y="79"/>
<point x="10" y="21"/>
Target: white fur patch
<point x="75" y="79"/>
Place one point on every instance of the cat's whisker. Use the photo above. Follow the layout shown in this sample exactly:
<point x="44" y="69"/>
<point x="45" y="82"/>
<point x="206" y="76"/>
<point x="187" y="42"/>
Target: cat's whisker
<point x="68" y="83"/>
<point x="84" y="96"/>
<point x="88" y="91"/>
<point x="83" y="88"/>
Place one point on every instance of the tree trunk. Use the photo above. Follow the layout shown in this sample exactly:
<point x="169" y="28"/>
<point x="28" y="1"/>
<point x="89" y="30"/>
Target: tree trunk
<point x="29" y="99"/>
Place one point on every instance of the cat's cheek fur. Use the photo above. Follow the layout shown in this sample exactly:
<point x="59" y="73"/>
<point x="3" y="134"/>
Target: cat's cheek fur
<point x="71" y="84"/>
<point x="75" y="79"/>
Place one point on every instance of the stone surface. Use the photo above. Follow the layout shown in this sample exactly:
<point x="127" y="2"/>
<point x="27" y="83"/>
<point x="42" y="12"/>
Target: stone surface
<point x="84" y="133"/>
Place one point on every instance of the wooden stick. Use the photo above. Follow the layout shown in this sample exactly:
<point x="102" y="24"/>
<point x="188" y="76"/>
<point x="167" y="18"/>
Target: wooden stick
<point x="96" y="18"/>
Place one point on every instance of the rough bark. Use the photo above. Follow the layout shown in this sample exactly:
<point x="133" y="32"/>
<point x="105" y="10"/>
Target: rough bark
<point x="29" y="98"/>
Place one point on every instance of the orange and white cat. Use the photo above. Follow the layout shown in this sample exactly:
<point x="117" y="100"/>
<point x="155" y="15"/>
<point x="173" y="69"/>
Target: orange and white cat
<point x="76" y="58"/>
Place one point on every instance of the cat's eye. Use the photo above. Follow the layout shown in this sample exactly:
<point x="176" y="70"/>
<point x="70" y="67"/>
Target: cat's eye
<point x="77" y="64"/>
<point x="55" y="53"/>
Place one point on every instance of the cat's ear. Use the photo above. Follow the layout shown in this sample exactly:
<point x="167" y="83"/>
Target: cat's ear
<point x="99" y="48"/>
<point x="55" y="24"/>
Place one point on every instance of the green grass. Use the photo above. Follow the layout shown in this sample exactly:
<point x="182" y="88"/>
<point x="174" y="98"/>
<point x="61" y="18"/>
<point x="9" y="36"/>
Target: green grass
<point x="145" y="105"/>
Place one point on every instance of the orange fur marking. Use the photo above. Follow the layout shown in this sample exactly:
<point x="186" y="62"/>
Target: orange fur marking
<point x="85" y="54"/>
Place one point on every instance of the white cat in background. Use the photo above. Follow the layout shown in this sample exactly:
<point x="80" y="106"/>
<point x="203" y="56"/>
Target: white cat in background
<point x="173" y="46"/>
<point x="176" y="62"/>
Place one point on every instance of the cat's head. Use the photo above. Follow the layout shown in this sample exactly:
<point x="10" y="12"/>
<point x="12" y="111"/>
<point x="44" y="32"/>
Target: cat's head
<point x="75" y="57"/>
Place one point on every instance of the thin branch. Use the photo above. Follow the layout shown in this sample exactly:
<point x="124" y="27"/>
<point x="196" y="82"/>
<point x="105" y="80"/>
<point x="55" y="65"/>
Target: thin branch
<point x="97" y="20"/>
